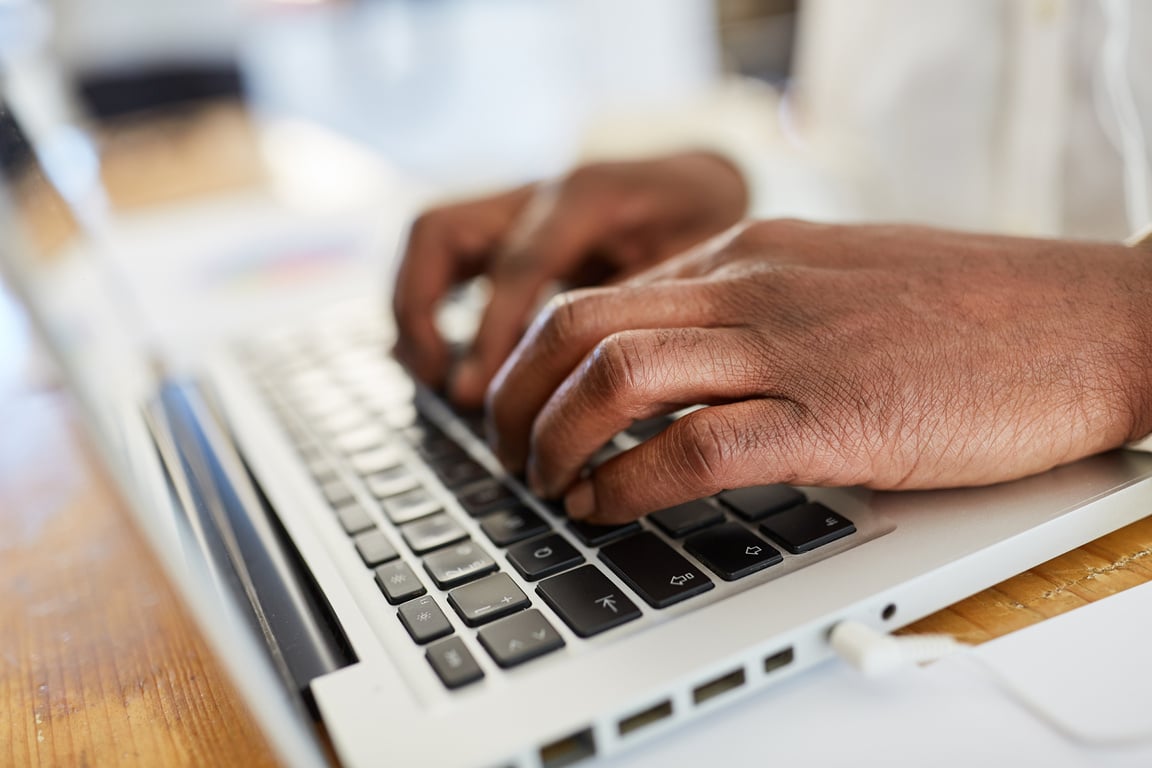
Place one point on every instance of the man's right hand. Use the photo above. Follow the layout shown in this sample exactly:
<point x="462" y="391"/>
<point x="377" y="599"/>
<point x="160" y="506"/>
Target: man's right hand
<point x="599" y="223"/>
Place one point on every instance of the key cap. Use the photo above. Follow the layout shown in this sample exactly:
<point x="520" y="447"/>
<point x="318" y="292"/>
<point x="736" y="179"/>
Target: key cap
<point x="398" y="582"/>
<point x="511" y="525"/>
<point x="544" y="556"/>
<point x="453" y="663"/>
<point x="457" y="564"/>
<point x="377" y="460"/>
<point x="587" y="601"/>
<point x="488" y="599"/>
<point x="732" y="551"/>
<point x="411" y="505"/>
<point x="363" y="438"/>
<point x="761" y="500"/>
<point x="804" y="528"/>
<point x="657" y="573"/>
<point x="431" y="533"/>
<point x="519" y="638"/>
<point x="431" y="443"/>
<point x="321" y="470"/>
<point x="391" y="482"/>
<point x="424" y="620"/>
<point x="374" y="547"/>
<point x="598" y="535"/>
<point x="474" y="421"/>
<point x="682" y="519"/>
<point x="336" y="493"/>
<point x="353" y="518"/>
<point x="487" y="496"/>
<point x="459" y="472"/>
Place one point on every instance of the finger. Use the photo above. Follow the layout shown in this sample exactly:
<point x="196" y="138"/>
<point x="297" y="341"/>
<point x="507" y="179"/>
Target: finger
<point x="754" y="442"/>
<point x="697" y="261"/>
<point x="569" y="328"/>
<point x="553" y="233"/>
<point x="444" y="247"/>
<point x="633" y="375"/>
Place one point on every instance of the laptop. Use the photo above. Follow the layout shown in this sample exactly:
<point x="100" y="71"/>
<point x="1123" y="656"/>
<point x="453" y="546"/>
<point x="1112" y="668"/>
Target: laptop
<point x="375" y="581"/>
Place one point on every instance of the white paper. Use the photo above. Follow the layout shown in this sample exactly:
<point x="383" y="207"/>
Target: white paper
<point x="1090" y="667"/>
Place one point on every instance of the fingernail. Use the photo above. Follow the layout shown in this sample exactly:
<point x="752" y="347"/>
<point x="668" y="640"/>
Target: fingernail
<point x="581" y="501"/>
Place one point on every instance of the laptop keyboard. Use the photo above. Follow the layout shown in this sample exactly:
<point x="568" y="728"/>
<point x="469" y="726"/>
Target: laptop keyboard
<point x="369" y="436"/>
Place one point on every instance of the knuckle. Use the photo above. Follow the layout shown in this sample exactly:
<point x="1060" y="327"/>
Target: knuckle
<point x="709" y="445"/>
<point x="582" y="177"/>
<point x="564" y="320"/>
<point x="617" y="367"/>
<point x="428" y="221"/>
<point x="774" y="234"/>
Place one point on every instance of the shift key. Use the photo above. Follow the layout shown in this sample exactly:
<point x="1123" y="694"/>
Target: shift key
<point x="657" y="573"/>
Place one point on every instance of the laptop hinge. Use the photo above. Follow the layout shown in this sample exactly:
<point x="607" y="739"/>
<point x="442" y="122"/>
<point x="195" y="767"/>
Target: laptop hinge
<point x="242" y="541"/>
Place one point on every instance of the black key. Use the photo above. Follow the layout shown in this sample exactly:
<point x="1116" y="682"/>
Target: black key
<point x="732" y="551"/>
<point x="761" y="500"/>
<point x="544" y="556"/>
<point x="682" y="519"/>
<point x="374" y="547"/>
<point x="459" y="472"/>
<point x="453" y="663"/>
<point x="457" y="564"/>
<point x="353" y="518"/>
<point x="398" y="582"/>
<point x="658" y="573"/>
<point x="487" y="496"/>
<point x="431" y="442"/>
<point x="488" y="599"/>
<point x="393" y="481"/>
<point x="518" y="638"/>
<point x="587" y="601"/>
<point x="424" y="620"/>
<point x="432" y="533"/>
<point x="474" y="421"/>
<point x="336" y="493"/>
<point x="411" y="505"/>
<point x="598" y="535"/>
<point x="511" y="525"/>
<point x="803" y="529"/>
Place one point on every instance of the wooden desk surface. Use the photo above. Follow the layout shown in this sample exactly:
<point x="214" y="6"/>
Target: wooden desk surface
<point x="100" y="665"/>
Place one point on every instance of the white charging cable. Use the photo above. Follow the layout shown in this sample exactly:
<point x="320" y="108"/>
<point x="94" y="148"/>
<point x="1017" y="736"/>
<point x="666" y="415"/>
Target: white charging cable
<point x="875" y="653"/>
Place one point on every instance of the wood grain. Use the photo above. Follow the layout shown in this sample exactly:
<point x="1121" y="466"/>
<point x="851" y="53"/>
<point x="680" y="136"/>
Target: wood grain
<point x="99" y="664"/>
<point x="1111" y="564"/>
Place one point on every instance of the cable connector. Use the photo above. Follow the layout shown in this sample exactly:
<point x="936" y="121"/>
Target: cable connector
<point x="875" y="653"/>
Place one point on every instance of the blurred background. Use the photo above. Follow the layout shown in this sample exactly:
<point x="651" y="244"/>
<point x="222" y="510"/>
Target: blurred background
<point x="450" y="91"/>
<point x="262" y="157"/>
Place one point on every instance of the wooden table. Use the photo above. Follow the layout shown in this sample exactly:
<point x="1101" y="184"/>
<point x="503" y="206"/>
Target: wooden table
<point x="100" y="664"/>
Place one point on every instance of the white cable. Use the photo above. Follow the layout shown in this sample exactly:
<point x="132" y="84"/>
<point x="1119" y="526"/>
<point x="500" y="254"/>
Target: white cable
<point x="1133" y="147"/>
<point x="875" y="653"/>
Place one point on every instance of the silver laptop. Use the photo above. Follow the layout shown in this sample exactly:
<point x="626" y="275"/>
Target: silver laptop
<point x="361" y="563"/>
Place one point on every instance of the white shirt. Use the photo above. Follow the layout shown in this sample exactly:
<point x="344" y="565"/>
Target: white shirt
<point x="975" y="114"/>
